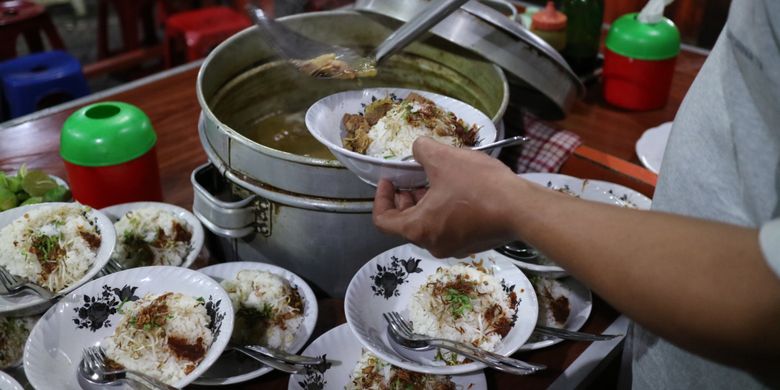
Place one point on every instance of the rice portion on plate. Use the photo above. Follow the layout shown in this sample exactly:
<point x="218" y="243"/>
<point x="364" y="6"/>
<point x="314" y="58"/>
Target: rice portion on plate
<point x="151" y="236"/>
<point x="13" y="335"/>
<point x="268" y="309"/>
<point x="388" y="127"/>
<point x="464" y="303"/>
<point x="162" y="335"/>
<point x="52" y="246"/>
<point x="373" y="373"/>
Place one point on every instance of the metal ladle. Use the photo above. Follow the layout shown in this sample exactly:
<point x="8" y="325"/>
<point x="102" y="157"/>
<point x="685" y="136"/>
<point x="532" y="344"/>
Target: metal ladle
<point x="292" y="45"/>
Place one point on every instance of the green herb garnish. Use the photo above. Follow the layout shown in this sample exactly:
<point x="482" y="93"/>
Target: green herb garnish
<point x="450" y="358"/>
<point x="119" y="308"/>
<point x="45" y="247"/>
<point x="459" y="302"/>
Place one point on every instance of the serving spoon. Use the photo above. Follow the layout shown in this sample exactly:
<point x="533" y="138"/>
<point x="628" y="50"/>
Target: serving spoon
<point x="292" y="45"/>
<point x="489" y="146"/>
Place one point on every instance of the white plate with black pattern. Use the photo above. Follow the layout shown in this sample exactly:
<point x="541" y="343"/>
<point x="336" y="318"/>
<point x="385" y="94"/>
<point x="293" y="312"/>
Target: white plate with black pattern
<point x="116" y="212"/>
<point x="233" y="367"/>
<point x="564" y="303"/>
<point x="389" y="280"/>
<point x="593" y="190"/>
<point x="343" y="352"/>
<point x="7" y="382"/>
<point x="89" y="315"/>
<point x="29" y="303"/>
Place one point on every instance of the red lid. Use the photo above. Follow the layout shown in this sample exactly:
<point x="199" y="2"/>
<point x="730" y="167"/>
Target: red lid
<point x="548" y="19"/>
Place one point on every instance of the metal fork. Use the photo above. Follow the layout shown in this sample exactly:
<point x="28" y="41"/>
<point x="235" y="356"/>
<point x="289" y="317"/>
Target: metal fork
<point x="111" y="267"/>
<point x="285" y="356"/>
<point x="571" y="335"/>
<point x="281" y="365"/>
<point x="94" y="373"/>
<point x="11" y="285"/>
<point x="401" y="331"/>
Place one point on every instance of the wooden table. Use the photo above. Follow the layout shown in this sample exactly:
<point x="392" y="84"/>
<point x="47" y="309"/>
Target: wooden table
<point x="169" y="100"/>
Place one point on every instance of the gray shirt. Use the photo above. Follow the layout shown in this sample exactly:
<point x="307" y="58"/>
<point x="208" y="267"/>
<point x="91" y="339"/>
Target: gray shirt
<point x="722" y="163"/>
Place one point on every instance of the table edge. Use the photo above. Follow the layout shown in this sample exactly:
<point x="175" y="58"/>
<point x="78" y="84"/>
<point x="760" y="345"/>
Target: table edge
<point x="582" y="368"/>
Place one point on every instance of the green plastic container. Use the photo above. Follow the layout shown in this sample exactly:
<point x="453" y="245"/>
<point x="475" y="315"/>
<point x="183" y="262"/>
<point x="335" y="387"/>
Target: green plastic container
<point x="110" y="156"/>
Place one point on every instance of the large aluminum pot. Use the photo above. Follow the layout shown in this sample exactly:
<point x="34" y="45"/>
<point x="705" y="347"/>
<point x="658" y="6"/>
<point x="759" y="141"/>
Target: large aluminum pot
<point x="308" y="213"/>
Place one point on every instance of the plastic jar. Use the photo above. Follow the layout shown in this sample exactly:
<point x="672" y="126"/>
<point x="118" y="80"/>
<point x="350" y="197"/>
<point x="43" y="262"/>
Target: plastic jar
<point x="639" y="62"/>
<point x="110" y="155"/>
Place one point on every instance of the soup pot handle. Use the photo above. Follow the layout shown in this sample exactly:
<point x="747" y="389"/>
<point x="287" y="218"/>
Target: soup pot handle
<point x="225" y="218"/>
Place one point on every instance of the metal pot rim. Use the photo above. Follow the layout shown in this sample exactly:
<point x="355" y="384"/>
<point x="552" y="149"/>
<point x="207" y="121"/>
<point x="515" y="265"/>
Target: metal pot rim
<point x="206" y="109"/>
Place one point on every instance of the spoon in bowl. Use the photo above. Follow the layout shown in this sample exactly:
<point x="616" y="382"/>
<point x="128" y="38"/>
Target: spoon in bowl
<point x="516" y="140"/>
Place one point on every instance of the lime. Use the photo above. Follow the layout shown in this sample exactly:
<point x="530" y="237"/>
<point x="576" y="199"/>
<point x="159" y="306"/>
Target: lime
<point x="37" y="183"/>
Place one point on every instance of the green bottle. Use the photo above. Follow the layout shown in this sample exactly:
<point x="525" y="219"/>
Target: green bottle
<point x="583" y="33"/>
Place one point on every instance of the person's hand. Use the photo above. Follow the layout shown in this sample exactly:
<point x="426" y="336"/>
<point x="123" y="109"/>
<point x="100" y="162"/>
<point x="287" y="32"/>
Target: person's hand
<point x="467" y="207"/>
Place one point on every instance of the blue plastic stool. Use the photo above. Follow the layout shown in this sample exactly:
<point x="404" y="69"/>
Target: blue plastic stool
<point x="27" y="81"/>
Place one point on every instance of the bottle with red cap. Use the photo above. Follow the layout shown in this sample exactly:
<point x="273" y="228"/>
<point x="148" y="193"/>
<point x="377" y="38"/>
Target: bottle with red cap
<point x="550" y="25"/>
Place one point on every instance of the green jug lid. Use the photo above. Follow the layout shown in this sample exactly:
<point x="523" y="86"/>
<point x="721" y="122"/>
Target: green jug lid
<point x="644" y="41"/>
<point x="106" y="133"/>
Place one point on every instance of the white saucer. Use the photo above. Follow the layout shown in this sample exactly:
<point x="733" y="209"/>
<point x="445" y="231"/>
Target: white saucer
<point x="651" y="146"/>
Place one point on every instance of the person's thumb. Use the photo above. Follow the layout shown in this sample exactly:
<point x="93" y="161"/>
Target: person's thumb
<point x="426" y="151"/>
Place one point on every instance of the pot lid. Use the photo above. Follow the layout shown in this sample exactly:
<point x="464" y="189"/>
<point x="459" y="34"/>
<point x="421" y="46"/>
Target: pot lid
<point x="497" y="38"/>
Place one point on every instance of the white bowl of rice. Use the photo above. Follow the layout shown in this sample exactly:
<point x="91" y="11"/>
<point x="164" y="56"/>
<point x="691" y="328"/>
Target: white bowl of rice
<point x="482" y="300"/>
<point x="361" y="369"/>
<point x="154" y="233"/>
<point x="374" y="151"/>
<point x="59" y="246"/>
<point x="273" y="308"/>
<point x="171" y="323"/>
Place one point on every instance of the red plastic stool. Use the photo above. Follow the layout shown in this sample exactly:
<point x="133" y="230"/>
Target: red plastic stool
<point x="201" y="30"/>
<point x="130" y="15"/>
<point x="29" y="20"/>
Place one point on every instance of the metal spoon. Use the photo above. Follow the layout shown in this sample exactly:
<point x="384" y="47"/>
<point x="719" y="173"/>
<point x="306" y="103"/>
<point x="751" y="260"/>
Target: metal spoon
<point x="292" y="45"/>
<point x="490" y="146"/>
<point x="519" y="250"/>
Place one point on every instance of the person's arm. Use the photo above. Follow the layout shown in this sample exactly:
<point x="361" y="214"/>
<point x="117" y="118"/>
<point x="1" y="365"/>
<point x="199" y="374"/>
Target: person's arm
<point x="701" y="285"/>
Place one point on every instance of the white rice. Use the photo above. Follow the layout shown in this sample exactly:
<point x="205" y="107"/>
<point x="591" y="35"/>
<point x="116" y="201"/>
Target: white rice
<point x="392" y="136"/>
<point x="146" y="349"/>
<point x="147" y="223"/>
<point x="433" y="315"/>
<point x="373" y="373"/>
<point x="61" y="224"/>
<point x="548" y="290"/>
<point x="13" y="335"/>
<point x="265" y="291"/>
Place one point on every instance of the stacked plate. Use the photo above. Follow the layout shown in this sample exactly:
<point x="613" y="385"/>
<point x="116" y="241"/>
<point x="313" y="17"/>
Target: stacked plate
<point x="389" y="283"/>
<point x="96" y="312"/>
<point x="91" y="310"/>
<point x="593" y="190"/>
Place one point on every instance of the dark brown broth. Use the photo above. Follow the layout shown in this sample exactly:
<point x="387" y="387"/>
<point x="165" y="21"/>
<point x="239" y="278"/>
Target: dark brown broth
<point x="288" y="133"/>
